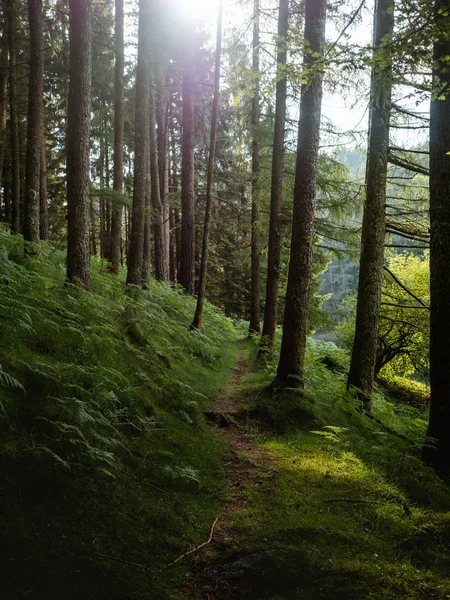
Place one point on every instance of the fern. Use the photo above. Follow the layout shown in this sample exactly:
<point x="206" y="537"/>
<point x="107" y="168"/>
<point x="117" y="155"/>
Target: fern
<point x="8" y="381"/>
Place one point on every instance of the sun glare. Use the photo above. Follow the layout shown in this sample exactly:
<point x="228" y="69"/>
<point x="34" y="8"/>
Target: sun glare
<point x="199" y="9"/>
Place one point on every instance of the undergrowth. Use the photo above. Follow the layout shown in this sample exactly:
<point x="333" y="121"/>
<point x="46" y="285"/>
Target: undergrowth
<point x="107" y="469"/>
<point x="347" y="510"/>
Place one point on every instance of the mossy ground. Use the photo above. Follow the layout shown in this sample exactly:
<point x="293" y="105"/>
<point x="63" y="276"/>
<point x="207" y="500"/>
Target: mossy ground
<point x="107" y="468"/>
<point x="345" y="508"/>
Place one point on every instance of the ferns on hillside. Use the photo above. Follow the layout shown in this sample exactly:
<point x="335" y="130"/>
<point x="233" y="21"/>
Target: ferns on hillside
<point x="76" y="378"/>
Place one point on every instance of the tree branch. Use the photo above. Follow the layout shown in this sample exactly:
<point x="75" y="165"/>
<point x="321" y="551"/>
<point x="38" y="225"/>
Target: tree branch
<point x="407" y="290"/>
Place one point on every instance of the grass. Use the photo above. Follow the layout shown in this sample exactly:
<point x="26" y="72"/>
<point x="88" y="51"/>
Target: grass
<point x="107" y="469"/>
<point x="350" y="511"/>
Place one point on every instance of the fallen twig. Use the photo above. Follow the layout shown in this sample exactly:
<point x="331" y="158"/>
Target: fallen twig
<point x="208" y="541"/>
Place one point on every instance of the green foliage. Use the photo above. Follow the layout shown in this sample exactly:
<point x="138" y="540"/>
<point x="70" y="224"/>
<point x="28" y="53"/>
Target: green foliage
<point x="106" y="458"/>
<point x="403" y="347"/>
<point x="405" y="330"/>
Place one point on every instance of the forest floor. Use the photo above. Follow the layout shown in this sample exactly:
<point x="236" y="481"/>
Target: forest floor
<point x="109" y="472"/>
<point x="247" y="464"/>
<point x="315" y="514"/>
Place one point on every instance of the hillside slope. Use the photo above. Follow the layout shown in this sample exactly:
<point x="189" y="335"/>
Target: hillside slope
<point x="107" y="469"/>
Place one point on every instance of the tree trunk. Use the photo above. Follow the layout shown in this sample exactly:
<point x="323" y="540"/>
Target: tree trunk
<point x="116" y="218"/>
<point x="43" y="197"/>
<point x="156" y="189"/>
<point x="79" y="108"/>
<point x="102" y="200"/>
<point x="14" y="129"/>
<point x="93" y="229"/>
<point x="161" y="118"/>
<point x="22" y="152"/>
<point x="175" y="224"/>
<point x="362" y="365"/>
<point x="292" y="357"/>
<point x="107" y="250"/>
<point x="7" y="201"/>
<point x="187" y="243"/>
<point x="102" y="225"/>
<point x="255" y="291"/>
<point x="141" y="147"/>
<point x="198" y="317"/>
<point x="3" y="117"/>
<point x="166" y="220"/>
<point x="276" y="195"/>
<point x="172" y="249"/>
<point x="437" y="451"/>
<point x="147" y="252"/>
<point x="126" y="218"/>
<point x="35" y="126"/>
<point x="178" y="242"/>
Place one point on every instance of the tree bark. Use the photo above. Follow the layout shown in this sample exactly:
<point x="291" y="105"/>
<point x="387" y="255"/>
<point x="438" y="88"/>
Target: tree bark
<point x="187" y="242"/>
<point x="276" y="195"/>
<point x="13" y="123"/>
<point x="177" y="241"/>
<point x="175" y="224"/>
<point x="141" y="147"/>
<point x="3" y="116"/>
<point x="7" y="201"/>
<point x="35" y="126"/>
<point x="161" y="119"/>
<point x="93" y="229"/>
<point x="198" y="316"/>
<point x="107" y="200"/>
<point x="362" y="365"/>
<point x="255" y="285"/>
<point x="116" y="218"/>
<point x="147" y="252"/>
<point x="43" y="197"/>
<point x="78" y="196"/>
<point x="172" y="249"/>
<point x="437" y="451"/>
<point x="155" y="159"/>
<point x="102" y="200"/>
<point x="291" y="365"/>
<point x="166" y="220"/>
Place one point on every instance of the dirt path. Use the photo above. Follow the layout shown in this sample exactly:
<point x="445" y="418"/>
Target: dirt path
<point x="215" y="577"/>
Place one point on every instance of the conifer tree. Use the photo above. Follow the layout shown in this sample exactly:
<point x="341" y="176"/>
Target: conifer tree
<point x="141" y="147"/>
<point x="186" y="275"/>
<point x="276" y="196"/>
<point x="116" y="216"/>
<point x="157" y="208"/>
<point x="43" y="196"/>
<point x="293" y="345"/>
<point x="78" y="127"/>
<point x="163" y="167"/>
<point x="255" y="284"/>
<point x="9" y="8"/>
<point x="362" y="366"/>
<point x="35" y="122"/>
<point x="437" y="450"/>
<point x="197" y="322"/>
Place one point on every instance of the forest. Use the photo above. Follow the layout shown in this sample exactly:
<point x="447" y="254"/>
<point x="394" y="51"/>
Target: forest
<point x="225" y="299"/>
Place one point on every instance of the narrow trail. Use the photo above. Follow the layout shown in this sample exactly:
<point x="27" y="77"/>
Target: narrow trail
<point x="214" y="577"/>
